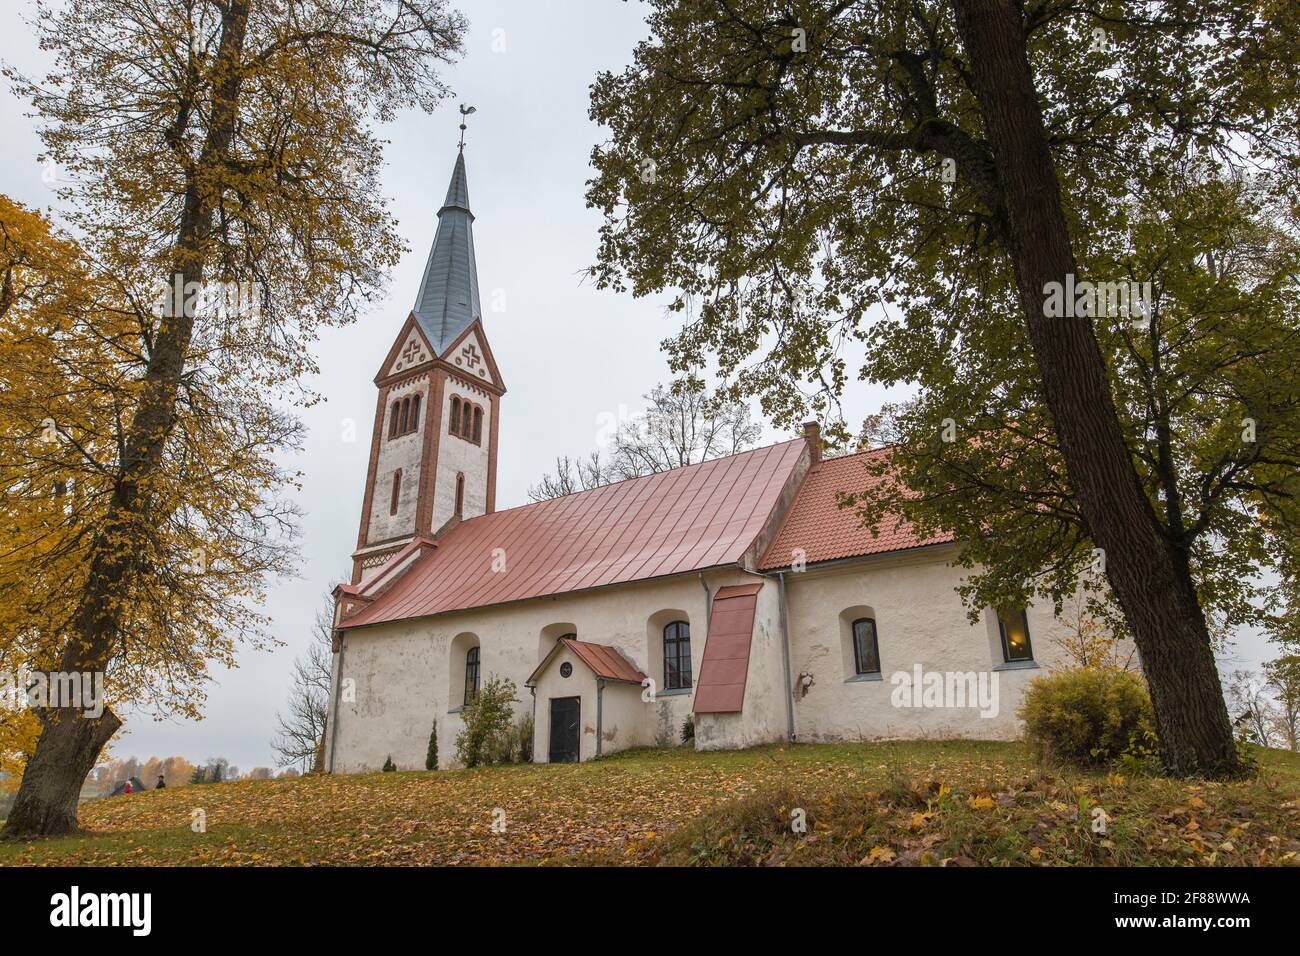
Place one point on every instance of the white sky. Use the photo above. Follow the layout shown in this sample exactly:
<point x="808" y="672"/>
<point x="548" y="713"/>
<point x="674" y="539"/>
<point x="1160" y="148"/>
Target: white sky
<point x="570" y="356"/>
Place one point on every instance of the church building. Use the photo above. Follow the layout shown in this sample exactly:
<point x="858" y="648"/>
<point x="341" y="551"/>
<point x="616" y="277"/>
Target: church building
<point x="734" y="592"/>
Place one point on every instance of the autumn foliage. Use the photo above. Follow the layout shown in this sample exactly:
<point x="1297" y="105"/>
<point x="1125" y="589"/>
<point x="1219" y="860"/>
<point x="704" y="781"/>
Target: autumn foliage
<point x="1088" y="717"/>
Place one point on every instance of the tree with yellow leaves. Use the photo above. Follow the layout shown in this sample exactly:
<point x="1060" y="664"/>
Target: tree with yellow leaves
<point x="220" y="162"/>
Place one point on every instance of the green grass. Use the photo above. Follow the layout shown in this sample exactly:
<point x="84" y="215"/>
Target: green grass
<point x="923" y="802"/>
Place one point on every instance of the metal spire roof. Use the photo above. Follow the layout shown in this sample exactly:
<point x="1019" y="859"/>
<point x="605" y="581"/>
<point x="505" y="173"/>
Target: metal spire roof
<point x="448" y="301"/>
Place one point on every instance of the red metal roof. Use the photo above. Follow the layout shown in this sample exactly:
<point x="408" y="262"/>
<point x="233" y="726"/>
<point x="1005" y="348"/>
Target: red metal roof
<point x="687" y="519"/>
<point x="720" y="688"/>
<point x="824" y="531"/>
<point x="601" y="660"/>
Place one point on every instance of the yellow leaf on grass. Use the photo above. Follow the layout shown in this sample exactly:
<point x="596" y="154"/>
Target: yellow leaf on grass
<point x="879" y="854"/>
<point x="980" y="803"/>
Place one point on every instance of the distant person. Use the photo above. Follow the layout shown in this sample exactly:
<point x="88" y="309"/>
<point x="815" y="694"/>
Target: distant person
<point x="162" y="784"/>
<point x="127" y="788"/>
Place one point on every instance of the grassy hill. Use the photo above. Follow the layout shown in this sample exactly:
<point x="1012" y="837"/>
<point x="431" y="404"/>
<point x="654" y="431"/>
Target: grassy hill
<point x="927" y="802"/>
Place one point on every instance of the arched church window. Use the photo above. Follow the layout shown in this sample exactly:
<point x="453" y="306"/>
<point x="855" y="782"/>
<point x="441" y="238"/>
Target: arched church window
<point x="677" y="655"/>
<point x="478" y="425"/>
<point x="397" y="491"/>
<point x="866" y="646"/>
<point x="460" y="492"/>
<point x="454" y="427"/>
<point x="466" y="420"/>
<point x="415" y="412"/>
<point x="406" y="413"/>
<point x="471" y="675"/>
<point x="392" y="421"/>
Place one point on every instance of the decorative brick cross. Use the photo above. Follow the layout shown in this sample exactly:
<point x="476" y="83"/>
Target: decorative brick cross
<point x="411" y="351"/>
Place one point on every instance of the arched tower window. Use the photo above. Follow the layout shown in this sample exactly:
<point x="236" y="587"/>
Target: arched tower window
<point x="392" y="420"/>
<point x="406" y="411"/>
<point x="415" y="412"/>
<point x="478" y="425"/>
<point x="677" y="655"/>
<point x="454" y="426"/>
<point x="397" y="491"/>
<point x="460" y="492"/>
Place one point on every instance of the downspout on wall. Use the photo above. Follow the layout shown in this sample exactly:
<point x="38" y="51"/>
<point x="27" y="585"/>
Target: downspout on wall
<point x="785" y="654"/>
<point x="600" y="712"/>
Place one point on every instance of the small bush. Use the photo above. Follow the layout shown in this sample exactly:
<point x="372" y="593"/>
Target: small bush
<point x="389" y="766"/>
<point x="488" y="736"/>
<point x="431" y="758"/>
<point x="524" y="739"/>
<point x="688" y="729"/>
<point x="1088" y="717"/>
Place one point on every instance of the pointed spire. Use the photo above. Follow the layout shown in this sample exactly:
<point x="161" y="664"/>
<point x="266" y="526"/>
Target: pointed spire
<point x="457" y="189"/>
<point x="448" y="302"/>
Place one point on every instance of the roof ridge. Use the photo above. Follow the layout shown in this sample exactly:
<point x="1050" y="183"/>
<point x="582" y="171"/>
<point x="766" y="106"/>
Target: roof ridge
<point x="857" y="454"/>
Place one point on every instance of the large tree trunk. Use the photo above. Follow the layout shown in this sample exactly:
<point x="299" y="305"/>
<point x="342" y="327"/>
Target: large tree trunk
<point x="66" y="752"/>
<point x="1147" y="571"/>
<point x="69" y="744"/>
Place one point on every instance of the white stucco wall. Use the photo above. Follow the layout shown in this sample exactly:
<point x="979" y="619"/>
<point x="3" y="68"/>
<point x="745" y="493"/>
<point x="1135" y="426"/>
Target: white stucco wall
<point x="403" y="673"/>
<point x="406" y="675"/>
<point x="920" y="619"/>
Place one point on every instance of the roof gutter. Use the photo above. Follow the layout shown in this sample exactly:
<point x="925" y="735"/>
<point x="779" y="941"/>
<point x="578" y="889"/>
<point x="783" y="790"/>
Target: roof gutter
<point x="726" y="566"/>
<point x="834" y="562"/>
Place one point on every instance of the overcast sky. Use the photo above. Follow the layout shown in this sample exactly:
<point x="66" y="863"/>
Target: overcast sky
<point x="570" y="356"/>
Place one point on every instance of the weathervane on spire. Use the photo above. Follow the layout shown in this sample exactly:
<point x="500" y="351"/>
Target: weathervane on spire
<point x="464" y="112"/>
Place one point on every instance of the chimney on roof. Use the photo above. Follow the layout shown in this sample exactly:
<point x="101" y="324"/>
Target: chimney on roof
<point x="812" y="434"/>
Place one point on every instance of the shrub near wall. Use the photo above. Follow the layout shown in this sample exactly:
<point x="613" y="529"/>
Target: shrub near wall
<point x="1088" y="717"/>
<point x="487" y="737"/>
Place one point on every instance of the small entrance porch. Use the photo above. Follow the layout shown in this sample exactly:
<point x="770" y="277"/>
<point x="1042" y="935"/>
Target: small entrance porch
<point x="587" y="703"/>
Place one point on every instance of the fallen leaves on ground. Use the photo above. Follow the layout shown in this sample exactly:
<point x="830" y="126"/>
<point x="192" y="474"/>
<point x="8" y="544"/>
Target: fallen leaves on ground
<point x="948" y="803"/>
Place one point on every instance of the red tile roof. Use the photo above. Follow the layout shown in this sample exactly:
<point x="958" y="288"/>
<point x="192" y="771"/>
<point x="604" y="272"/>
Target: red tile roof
<point x="687" y="519"/>
<point x="601" y="660"/>
<point x="720" y="688"/>
<point x="825" y="531"/>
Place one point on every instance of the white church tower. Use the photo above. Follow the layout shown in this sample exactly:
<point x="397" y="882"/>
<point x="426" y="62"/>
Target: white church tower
<point x="433" y="454"/>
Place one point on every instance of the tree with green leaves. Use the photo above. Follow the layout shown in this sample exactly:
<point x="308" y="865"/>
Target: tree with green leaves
<point x="205" y="146"/>
<point x="976" y="194"/>
<point x="431" y="758"/>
